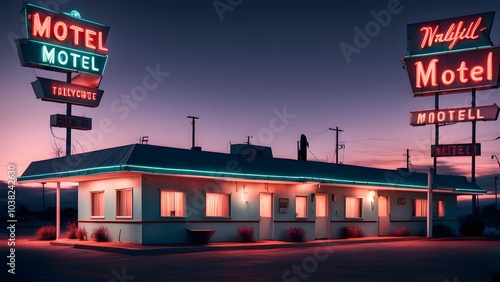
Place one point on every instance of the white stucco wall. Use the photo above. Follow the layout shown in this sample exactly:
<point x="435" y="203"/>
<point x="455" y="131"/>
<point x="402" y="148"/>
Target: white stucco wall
<point x="147" y="226"/>
<point x="129" y="232"/>
<point x="401" y="215"/>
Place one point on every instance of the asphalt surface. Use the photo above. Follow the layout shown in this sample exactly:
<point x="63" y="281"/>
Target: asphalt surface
<point x="419" y="259"/>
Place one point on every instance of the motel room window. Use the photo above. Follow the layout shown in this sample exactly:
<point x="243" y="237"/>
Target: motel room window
<point x="173" y="203"/>
<point x="124" y="203"/>
<point x="301" y="206"/>
<point x="218" y="204"/>
<point x="353" y="207"/>
<point x="97" y="204"/>
<point x="441" y="207"/>
<point x="419" y="207"/>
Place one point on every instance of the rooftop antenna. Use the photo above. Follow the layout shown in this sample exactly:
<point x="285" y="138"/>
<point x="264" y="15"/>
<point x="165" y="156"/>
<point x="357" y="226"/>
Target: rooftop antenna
<point x="193" y="123"/>
<point x="144" y="140"/>
<point x="248" y="139"/>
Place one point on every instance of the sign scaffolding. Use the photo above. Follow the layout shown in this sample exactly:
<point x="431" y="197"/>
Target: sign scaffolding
<point x="451" y="56"/>
<point x="66" y="43"/>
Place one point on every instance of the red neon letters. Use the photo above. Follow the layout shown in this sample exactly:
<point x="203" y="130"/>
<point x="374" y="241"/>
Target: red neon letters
<point x="62" y="31"/>
<point x="426" y="76"/>
<point x="455" y="32"/>
<point x="74" y="93"/>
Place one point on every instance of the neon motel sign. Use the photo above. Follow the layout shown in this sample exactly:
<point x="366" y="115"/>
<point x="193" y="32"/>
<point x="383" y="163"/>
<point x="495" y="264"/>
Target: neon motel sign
<point x="454" y="72"/>
<point x="453" y="115"/>
<point x="61" y="42"/>
<point x="455" y="150"/>
<point x="73" y="122"/>
<point x="450" y="34"/>
<point x="63" y="92"/>
<point x="452" y="56"/>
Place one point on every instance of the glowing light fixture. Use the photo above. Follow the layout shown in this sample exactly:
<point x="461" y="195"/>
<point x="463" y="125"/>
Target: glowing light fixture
<point x="371" y="198"/>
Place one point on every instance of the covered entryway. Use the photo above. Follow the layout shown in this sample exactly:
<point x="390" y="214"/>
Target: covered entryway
<point x="321" y="216"/>
<point x="384" y="219"/>
<point x="266" y="216"/>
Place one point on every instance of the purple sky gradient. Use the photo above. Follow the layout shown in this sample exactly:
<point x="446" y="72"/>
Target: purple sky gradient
<point x="236" y="74"/>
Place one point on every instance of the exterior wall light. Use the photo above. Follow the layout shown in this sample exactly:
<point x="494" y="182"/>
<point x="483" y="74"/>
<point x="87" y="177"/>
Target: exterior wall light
<point x="371" y="198"/>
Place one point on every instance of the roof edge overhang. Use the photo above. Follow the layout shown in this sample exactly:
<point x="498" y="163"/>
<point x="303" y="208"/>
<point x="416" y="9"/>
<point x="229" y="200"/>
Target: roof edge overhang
<point x="75" y="174"/>
<point x="418" y="188"/>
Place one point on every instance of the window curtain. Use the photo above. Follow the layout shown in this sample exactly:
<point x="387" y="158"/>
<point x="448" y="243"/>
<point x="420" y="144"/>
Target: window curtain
<point x="124" y="202"/>
<point x="301" y="206"/>
<point x="97" y="204"/>
<point x="353" y="207"/>
<point x="217" y="204"/>
<point x="172" y="203"/>
<point x="420" y="207"/>
<point x="441" y="206"/>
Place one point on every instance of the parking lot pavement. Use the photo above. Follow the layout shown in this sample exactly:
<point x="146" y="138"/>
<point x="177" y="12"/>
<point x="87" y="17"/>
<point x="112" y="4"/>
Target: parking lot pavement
<point x="474" y="259"/>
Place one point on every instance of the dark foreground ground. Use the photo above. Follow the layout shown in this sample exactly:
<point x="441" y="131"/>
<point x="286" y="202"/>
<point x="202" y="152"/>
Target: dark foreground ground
<point x="414" y="260"/>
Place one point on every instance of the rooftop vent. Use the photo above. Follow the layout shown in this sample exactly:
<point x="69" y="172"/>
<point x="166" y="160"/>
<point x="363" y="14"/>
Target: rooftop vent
<point x="249" y="150"/>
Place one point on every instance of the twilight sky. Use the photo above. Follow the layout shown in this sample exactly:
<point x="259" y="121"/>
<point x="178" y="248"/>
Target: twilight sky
<point x="269" y="69"/>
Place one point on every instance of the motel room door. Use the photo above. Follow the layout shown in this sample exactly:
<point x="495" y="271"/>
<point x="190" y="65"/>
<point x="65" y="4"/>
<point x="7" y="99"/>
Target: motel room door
<point x="384" y="219"/>
<point x="266" y="216"/>
<point x="321" y="224"/>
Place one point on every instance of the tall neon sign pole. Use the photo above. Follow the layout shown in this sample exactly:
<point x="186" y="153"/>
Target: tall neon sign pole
<point x="64" y="42"/>
<point x="452" y="56"/>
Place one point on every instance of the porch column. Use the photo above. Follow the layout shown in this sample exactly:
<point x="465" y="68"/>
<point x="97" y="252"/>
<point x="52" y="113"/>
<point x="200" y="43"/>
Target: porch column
<point x="58" y="210"/>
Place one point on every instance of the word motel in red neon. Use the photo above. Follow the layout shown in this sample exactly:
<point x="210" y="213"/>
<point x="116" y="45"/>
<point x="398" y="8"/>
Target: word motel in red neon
<point x="454" y="33"/>
<point x="454" y="72"/>
<point x="46" y="27"/>
<point x="429" y="74"/>
<point x="453" y="115"/>
<point x="65" y="30"/>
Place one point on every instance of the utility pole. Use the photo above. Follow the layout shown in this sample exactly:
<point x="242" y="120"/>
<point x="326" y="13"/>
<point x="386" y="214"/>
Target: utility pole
<point x="407" y="159"/>
<point x="193" y="123"/>
<point x="337" y="130"/>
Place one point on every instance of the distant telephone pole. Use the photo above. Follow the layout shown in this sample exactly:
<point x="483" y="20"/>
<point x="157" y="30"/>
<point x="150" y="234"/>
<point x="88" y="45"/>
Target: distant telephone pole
<point x="248" y="139"/>
<point x="337" y="130"/>
<point x="407" y="159"/>
<point x="193" y="123"/>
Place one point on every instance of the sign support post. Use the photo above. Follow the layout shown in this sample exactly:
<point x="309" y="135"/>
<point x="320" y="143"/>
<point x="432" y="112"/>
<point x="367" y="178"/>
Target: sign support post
<point x="436" y="138"/>
<point x="51" y="39"/>
<point x="430" y="179"/>
<point x="450" y="56"/>
<point x="68" y="113"/>
<point x="473" y="168"/>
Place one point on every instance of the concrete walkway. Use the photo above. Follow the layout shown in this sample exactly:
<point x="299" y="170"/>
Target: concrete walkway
<point x="138" y="249"/>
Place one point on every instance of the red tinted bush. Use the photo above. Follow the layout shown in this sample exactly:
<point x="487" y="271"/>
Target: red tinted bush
<point x="402" y="231"/>
<point x="46" y="233"/>
<point x="246" y="233"/>
<point x="353" y="232"/>
<point x="296" y="234"/>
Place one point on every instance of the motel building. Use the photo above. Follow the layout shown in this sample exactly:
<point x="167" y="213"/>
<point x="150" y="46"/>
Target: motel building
<point x="152" y="195"/>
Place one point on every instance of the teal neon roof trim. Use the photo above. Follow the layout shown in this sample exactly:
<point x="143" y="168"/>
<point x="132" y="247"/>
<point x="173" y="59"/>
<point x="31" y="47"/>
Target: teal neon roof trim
<point x="172" y="161"/>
